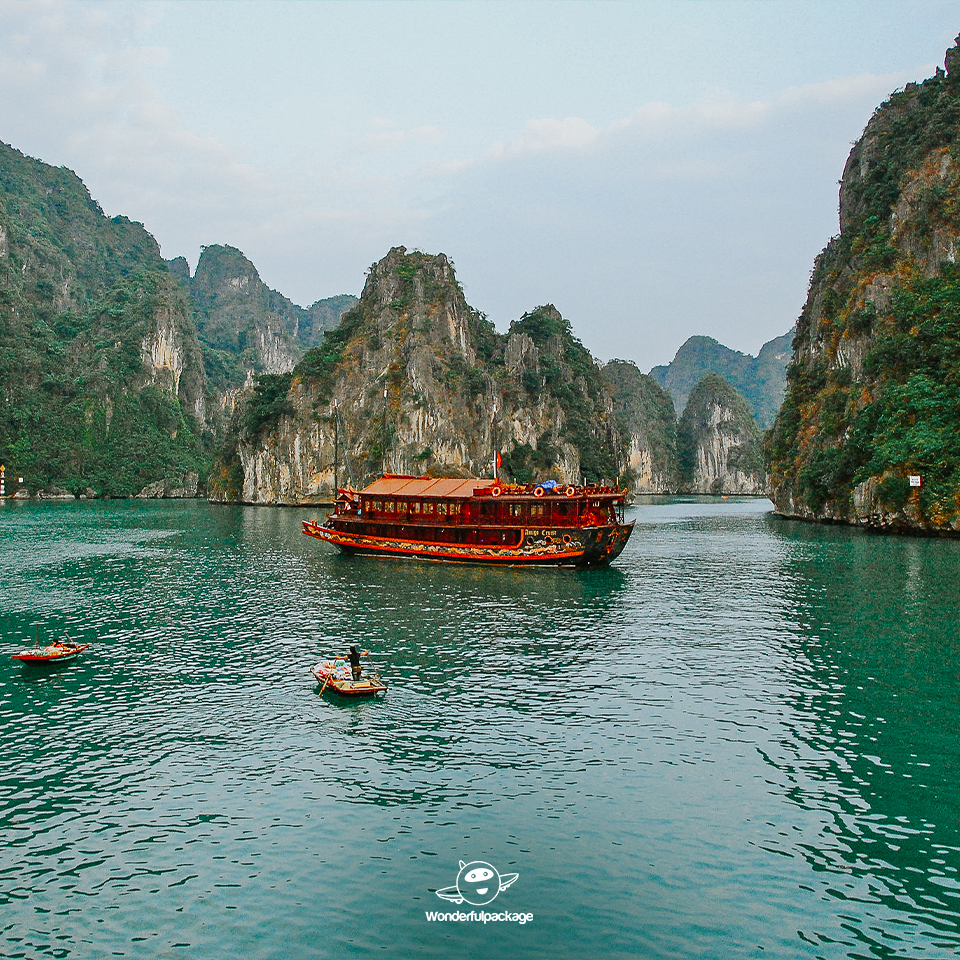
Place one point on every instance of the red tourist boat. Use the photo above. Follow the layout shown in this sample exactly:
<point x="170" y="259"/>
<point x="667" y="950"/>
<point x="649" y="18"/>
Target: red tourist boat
<point x="478" y="521"/>
<point x="56" y="652"/>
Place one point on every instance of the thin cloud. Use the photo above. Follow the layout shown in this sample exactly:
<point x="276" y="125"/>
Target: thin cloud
<point x="539" y="136"/>
<point x="393" y="137"/>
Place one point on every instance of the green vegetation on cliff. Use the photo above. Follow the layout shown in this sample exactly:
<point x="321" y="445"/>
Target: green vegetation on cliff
<point x="873" y="394"/>
<point x="244" y="326"/>
<point x="645" y="410"/>
<point x="78" y="294"/>
<point x="569" y="375"/>
<point x="718" y="421"/>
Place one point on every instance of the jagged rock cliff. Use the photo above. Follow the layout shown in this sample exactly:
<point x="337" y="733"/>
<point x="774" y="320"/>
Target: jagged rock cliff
<point x="103" y="385"/>
<point x="107" y="386"/>
<point x="246" y="328"/>
<point x="415" y="380"/>
<point x="873" y="394"/>
<point x="719" y="443"/>
<point x="648" y="423"/>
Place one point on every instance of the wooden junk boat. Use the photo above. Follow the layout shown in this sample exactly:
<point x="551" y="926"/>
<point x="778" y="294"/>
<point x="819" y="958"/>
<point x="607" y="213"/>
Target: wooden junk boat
<point x="478" y="521"/>
<point x="336" y="675"/>
<point x="57" y="652"/>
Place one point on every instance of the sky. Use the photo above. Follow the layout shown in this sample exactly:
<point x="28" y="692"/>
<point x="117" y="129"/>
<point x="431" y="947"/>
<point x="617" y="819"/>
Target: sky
<point x="656" y="170"/>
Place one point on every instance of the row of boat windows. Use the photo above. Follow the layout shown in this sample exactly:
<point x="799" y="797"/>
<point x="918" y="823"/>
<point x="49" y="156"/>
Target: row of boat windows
<point x="417" y="506"/>
<point x="454" y="509"/>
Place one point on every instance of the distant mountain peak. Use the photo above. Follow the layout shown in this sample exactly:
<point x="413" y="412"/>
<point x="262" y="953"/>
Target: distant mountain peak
<point x="761" y="379"/>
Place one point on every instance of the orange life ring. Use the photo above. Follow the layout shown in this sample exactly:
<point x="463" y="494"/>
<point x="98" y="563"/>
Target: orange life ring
<point x="569" y="491"/>
<point x="538" y="492"/>
<point x="496" y="491"/>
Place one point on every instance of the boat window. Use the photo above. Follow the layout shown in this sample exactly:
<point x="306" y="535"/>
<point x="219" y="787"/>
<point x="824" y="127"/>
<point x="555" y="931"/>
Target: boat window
<point x="416" y="506"/>
<point x="428" y="508"/>
<point x="454" y="509"/>
<point x="515" y="509"/>
<point x="536" y="510"/>
<point x="389" y="506"/>
<point x="377" y="505"/>
<point x="442" y="509"/>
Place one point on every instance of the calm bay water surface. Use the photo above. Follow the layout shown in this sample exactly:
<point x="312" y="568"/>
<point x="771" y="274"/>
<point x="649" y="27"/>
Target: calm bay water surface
<point x="740" y="740"/>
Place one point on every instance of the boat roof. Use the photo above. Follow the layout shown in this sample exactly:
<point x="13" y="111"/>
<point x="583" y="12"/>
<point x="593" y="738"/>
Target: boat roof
<point x="391" y="486"/>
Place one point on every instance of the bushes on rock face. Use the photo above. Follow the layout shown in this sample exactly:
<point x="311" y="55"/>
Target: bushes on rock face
<point x="79" y="293"/>
<point x="74" y="415"/>
<point x="912" y="424"/>
<point x="875" y="308"/>
<point x="570" y="377"/>
<point x="913" y="122"/>
<point x="269" y="402"/>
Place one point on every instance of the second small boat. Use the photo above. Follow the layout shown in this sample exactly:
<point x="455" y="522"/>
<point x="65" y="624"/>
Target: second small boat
<point x="56" y="652"/>
<point x="335" y="675"/>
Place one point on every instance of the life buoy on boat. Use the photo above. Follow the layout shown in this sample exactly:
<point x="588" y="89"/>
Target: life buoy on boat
<point x="496" y="491"/>
<point x="569" y="491"/>
<point x="538" y="492"/>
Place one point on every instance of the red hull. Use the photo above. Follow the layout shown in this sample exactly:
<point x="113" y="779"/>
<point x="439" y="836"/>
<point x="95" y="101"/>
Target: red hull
<point x="581" y="548"/>
<point x="55" y="653"/>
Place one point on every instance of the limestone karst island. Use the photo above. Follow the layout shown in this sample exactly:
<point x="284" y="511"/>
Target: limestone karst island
<point x="383" y="621"/>
<point x="128" y="375"/>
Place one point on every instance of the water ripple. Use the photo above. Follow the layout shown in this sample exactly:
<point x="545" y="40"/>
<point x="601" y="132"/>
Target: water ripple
<point x="735" y="741"/>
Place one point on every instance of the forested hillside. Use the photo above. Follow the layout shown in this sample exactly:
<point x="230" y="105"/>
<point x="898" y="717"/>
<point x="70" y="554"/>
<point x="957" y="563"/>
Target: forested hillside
<point x="761" y="380"/>
<point x="117" y="369"/>
<point x="873" y="393"/>
<point x="83" y="298"/>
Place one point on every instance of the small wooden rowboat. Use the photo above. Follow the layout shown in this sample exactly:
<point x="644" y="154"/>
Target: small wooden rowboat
<point x="335" y="675"/>
<point x="56" y="652"/>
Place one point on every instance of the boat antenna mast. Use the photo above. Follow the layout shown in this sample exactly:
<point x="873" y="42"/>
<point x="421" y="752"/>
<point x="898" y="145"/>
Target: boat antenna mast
<point x="337" y="427"/>
<point x="336" y="454"/>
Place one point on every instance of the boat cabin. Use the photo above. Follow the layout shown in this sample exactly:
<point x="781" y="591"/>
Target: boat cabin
<point x="480" y="503"/>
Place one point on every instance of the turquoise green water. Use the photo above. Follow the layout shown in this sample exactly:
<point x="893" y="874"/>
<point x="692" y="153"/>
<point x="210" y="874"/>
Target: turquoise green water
<point x="738" y="741"/>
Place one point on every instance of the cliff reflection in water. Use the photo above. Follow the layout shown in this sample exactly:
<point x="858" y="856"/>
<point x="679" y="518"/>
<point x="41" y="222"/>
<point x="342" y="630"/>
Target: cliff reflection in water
<point x="873" y="707"/>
